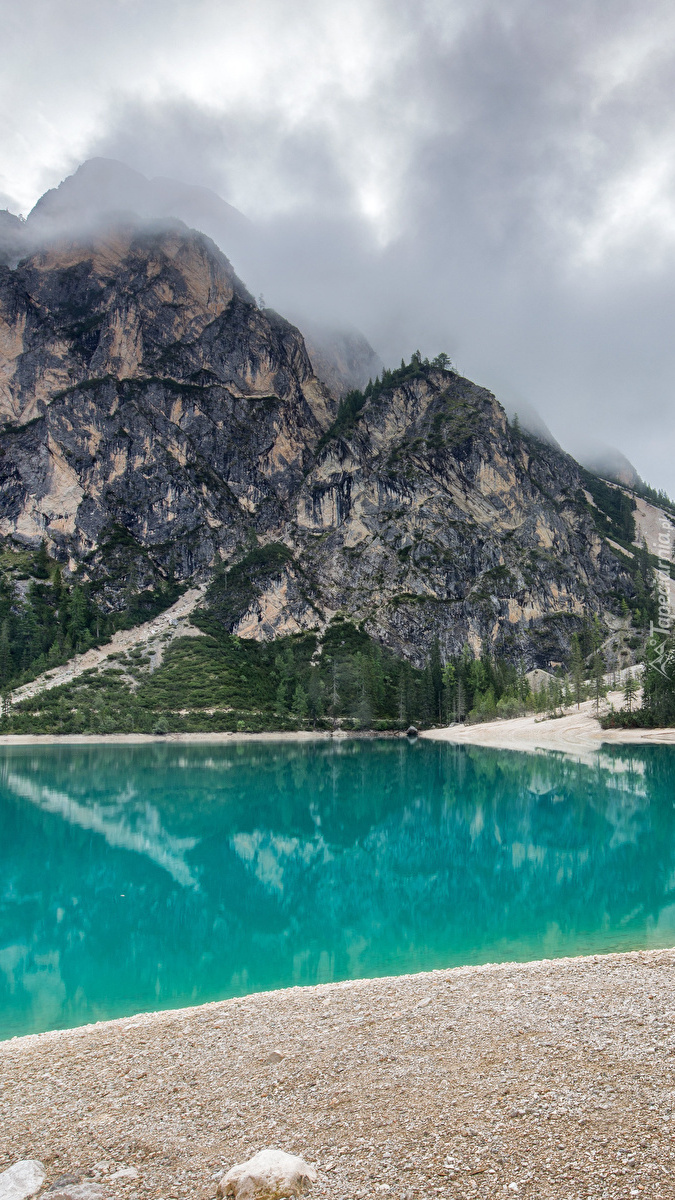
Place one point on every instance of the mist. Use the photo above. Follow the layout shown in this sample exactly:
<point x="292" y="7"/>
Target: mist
<point x="494" y="181"/>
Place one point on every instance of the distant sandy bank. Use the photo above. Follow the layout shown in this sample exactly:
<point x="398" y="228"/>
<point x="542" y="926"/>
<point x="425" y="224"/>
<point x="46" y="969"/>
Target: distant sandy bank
<point x="580" y="731"/>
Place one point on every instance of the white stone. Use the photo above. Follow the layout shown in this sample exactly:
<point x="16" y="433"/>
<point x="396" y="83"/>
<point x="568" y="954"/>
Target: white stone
<point x="269" y="1175"/>
<point x="125" y="1173"/>
<point x="23" y="1179"/>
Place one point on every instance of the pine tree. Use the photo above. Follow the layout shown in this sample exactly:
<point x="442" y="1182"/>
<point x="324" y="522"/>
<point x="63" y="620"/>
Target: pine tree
<point x="442" y="361"/>
<point x="78" y="613"/>
<point x="403" y="696"/>
<point x="364" y="711"/>
<point x="449" y="690"/>
<point x="629" y="691"/>
<point x="522" y="684"/>
<point x="334" y="693"/>
<point x="300" y="704"/>
<point x="364" y="706"/>
<point x="6" y="670"/>
<point x="315" y="694"/>
<point x="375" y="680"/>
<point x="598" y="680"/>
<point x="461" y="699"/>
<point x="555" y="695"/>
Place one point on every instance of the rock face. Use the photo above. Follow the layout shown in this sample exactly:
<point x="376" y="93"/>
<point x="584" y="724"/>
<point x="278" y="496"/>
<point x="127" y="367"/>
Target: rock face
<point x="431" y="517"/>
<point x="269" y="1175"/>
<point x="156" y="420"/>
<point x="143" y="390"/>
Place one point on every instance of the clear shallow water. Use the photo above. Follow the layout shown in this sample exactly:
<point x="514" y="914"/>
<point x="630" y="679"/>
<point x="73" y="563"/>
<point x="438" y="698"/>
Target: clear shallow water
<point x="140" y="877"/>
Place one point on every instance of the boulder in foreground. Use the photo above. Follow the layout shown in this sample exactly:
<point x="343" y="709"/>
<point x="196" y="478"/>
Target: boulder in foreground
<point x="22" y="1180"/>
<point x="269" y="1175"/>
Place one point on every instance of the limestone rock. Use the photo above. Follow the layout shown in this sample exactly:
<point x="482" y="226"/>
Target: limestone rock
<point x="269" y="1175"/>
<point x="21" y="1180"/>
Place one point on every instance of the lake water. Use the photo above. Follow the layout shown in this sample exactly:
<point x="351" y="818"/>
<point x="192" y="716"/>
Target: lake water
<point x="141" y="877"/>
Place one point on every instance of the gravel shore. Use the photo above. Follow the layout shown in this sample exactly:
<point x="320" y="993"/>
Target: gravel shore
<point x="546" y="1079"/>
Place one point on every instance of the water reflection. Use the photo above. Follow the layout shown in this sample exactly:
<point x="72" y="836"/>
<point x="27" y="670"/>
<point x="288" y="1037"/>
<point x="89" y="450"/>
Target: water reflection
<point x="146" y="876"/>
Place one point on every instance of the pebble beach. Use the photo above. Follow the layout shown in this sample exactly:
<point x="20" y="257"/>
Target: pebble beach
<point x="546" y="1079"/>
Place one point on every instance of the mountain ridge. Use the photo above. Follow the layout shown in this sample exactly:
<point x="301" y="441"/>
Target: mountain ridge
<point x="163" y="429"/>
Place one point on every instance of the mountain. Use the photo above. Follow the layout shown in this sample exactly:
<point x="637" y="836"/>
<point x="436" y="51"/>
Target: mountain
<point x="610" y="463"/>
<point x="531" y="421"/>
<point x="160" y="426"/>
<point x="12" y="235"/>
<point x="103" y="191"/>
<point x="342" y="358"/>
<point x="429" y="516"/>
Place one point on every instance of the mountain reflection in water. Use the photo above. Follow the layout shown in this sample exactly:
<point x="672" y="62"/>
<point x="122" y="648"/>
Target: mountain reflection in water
<point x="142" y="877"/>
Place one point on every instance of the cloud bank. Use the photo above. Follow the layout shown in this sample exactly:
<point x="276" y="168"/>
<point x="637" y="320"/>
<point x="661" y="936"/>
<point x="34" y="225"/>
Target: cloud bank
<point x="494" y="180"/>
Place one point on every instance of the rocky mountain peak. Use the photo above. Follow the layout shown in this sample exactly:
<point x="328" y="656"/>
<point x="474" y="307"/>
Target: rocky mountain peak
<point x="136" y="302"/>
<point x="104" y="192"/>
<point x="102" y="189"/>
<point x="143" y="388"/>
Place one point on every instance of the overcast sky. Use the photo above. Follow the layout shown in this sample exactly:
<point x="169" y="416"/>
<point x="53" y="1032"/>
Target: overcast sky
<point x="493" y="179"/>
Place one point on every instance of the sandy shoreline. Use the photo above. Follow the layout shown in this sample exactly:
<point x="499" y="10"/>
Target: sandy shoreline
<point x="549" y="1079"/>
<point x="577" y="732"/>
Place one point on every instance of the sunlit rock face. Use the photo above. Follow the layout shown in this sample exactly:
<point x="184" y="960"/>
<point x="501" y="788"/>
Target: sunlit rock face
<point x="149" y="403"/>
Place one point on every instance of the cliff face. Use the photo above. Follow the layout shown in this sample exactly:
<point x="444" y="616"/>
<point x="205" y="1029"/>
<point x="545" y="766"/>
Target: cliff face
<point x="143" y="390"/>
<point x="430" y="517"/>
<point x="155" y="418"/>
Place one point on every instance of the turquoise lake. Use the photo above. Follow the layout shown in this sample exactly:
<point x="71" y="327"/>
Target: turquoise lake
<point x="141" y="877"/>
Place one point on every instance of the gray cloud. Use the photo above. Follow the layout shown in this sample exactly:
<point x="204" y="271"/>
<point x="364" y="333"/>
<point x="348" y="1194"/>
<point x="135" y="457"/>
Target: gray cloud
<point x="495" y="180"/>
